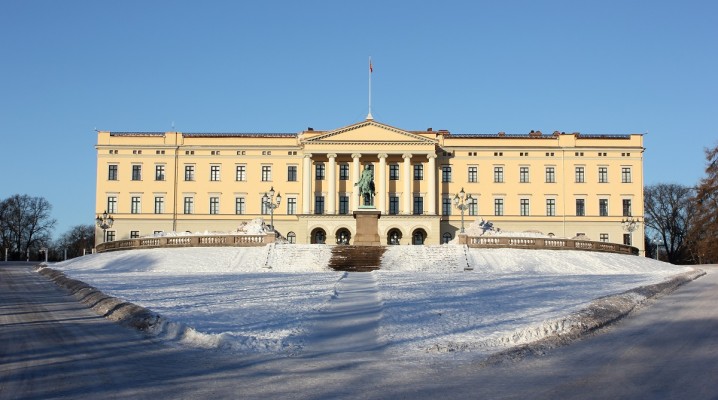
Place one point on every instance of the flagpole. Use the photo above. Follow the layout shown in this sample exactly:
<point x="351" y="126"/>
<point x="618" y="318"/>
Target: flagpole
<point x="370" y="72"/>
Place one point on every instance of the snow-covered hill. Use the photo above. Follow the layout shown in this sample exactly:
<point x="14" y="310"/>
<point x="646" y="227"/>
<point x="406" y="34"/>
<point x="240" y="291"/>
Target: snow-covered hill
<point x="264" y="299"/>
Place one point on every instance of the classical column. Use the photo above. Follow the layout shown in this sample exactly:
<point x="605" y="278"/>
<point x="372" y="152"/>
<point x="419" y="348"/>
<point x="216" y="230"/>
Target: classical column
<point x="407" y="184"/>
<point x="431" y="172"/>
<point x="332" y="177"/>
<point x="307" y="183"/>
<point x="381" y="206"/>
<point x="355" y="203"/>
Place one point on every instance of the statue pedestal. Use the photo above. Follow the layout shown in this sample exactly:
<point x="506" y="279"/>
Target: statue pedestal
<point x="367" y="228"/>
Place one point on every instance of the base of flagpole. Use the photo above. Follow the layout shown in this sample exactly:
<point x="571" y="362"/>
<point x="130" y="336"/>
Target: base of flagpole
<point x="368" y="117"/>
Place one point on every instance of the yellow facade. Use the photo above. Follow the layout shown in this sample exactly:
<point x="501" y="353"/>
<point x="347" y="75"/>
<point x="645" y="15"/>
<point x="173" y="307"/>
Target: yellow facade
<point x="172" y="181"/>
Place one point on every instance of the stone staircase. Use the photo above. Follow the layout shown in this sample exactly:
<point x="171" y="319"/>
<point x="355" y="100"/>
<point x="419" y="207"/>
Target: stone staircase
<point x="356" y="258"/>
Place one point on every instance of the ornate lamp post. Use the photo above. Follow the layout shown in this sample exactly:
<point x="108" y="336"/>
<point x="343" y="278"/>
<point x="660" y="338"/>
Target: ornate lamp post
<point x="104" y="222"/>
<point x="269" y="201"/>
<point x="460" y="201"/>
<point x="629" y="225"/>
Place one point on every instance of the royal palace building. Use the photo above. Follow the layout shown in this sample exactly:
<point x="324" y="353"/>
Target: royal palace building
<point x="565" y="184"/>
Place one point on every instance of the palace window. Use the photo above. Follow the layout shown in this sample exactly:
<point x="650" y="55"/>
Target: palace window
<point x="189" y="172"/>
<point x="266" y="173"/>
<point x="524" y="174"/>
<point x="627" y="207"/>
<point x="418" y="205"/>
<point x="602" y="174"/>
<point x="446" y="206"/>
<point x="292" y="173"/>
<point x="627" y="239"/>
<point x="241" y="173"/>
<point x="393" y="205"/>
<point x="551" y="207"/>
<point x="214" y="173"/>
<point x="603" y="207"/>
<point x="112" y="204"/>
<point x="112" y="172"/>
<point x="498" y="207"/>
<point x="446" y="173"/>
<point x="525" y="208"/>
<point x="418" y="172"/>
<point x="498" y="174"/>
<point x="292" y="237"/>
<point x="446" y="238"/>
<point x="626" y="175"/>
<point x="343" y="172"/>
<point x="319" y="205"/>
<point x="393" y="172"/>
<point x="159" y="172"/>
<point x="473" y="174"/>
<point x="603" y="237"/>
<point x="134" y="234"/>
<point x="240" y="206"/>
<point x="319" y="171"/>
<point x="214" y="205"/>
<point x="580" y="175"/>
<point x="136" y="172"/>
<point x="291" y="205"/>
<point x="550" y="175"/>
<point x="110" y="236"/>
<point x="473" y="206"/>
<point x="189" y="205"/>
<point x="135" y="205"/>
<point x="159" y="205"/>
<point x="343" y="204"/>
<point x="580" y="207"/>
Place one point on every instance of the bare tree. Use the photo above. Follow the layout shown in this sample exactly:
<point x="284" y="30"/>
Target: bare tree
<point x="704" y="232"/>
<point x="668" y="213"/>
<point x="25" y="223"/>
<point x="75" y="240"/>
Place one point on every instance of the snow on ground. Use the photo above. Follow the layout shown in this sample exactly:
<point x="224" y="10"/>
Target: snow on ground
<point x="228" y="298"/>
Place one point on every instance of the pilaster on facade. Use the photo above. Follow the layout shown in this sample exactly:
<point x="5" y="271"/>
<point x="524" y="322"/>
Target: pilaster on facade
<point x="331" y="176"/>
<point x="381" y="204"/>
<point x="356" y="172"/>
<point x="406" y="207"/>
<point x="431" y="170"/>
<point x="307" y="183"/>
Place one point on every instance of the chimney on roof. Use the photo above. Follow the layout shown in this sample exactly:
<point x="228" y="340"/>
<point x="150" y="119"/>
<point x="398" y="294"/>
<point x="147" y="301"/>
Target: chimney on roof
<point x="310" y="129"/>
<point x="535" y="133"/>
<point x="502" y="133"/>
<point x="429" y="129"/>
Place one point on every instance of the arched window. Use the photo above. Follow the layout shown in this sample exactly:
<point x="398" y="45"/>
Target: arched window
<point x="343" y="236"/>
<point x="319" y="236"/>
<point x="446" y="238"/>
<point x="292" y="237"/>
<point x="418" y="237"/>
<point x="394" y="237"/>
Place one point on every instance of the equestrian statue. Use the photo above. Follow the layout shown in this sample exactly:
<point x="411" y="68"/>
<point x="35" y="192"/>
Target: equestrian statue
<point x="366" y="186"/>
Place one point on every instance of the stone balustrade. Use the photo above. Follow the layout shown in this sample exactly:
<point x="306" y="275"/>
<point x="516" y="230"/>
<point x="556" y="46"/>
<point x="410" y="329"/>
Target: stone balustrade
<point x="187" y="241"/>
<point x="545" y="243"/>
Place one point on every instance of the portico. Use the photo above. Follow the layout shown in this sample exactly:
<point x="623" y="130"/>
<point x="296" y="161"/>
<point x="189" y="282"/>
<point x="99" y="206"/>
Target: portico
<point x="379" y="147"/>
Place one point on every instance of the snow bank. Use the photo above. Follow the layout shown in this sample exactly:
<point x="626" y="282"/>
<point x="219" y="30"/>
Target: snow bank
<point x="263" y="299"/>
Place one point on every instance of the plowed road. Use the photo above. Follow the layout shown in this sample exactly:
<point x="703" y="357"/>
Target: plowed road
<point x="53" y="347"/>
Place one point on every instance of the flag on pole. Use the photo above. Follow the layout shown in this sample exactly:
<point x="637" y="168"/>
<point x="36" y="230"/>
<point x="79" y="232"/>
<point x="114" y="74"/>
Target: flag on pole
<point x="371" y="68"/>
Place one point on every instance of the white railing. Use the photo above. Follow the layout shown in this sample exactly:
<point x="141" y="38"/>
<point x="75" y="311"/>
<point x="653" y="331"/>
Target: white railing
<point x="548" y="243"/>
<point x="187" y="241"/>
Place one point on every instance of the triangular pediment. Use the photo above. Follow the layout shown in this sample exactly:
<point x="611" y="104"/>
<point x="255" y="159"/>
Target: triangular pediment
<point x="370" y="131"/>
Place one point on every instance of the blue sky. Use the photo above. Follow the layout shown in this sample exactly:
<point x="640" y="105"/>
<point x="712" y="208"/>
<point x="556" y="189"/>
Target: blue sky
<point x="615" y="67"/>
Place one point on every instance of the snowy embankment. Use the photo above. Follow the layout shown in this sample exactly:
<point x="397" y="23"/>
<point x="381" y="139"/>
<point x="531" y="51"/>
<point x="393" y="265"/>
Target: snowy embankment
<point x="262" y="299"/>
